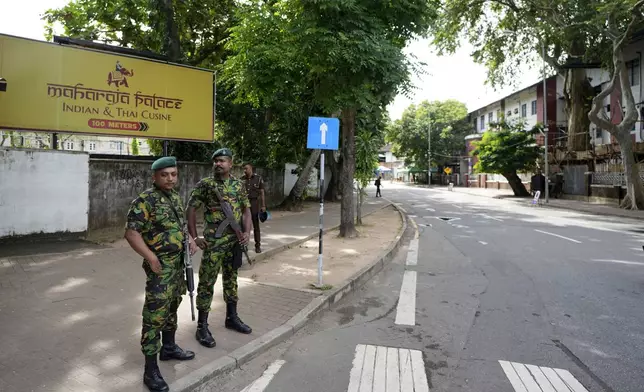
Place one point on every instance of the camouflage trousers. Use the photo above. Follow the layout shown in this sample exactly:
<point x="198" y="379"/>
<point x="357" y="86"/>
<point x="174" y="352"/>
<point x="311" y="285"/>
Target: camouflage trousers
<point x="162" y="299"/>
<point x="215" y="259"/>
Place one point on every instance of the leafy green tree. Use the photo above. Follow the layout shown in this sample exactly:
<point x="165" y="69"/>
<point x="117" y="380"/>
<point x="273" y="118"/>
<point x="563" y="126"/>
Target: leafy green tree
<point x="135" y="146"/>
<point x="621" y="21"/>
<point x="507" y="149"/>
<point x="506" y="34"/>
<point x="449" y="126"/>
<point x="573" y="33"/>
<point x="348" y="53"/>
<point x="368" y="141"/>
<point x="200" y="26"/>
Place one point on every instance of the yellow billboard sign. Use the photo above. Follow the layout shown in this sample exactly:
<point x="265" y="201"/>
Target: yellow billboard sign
<point x="57" y="88"/>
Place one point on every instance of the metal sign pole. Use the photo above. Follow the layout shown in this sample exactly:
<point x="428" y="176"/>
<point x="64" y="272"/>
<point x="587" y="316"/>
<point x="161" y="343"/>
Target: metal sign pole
<point x="323" y="134"/>
<point x="321" y="217"/>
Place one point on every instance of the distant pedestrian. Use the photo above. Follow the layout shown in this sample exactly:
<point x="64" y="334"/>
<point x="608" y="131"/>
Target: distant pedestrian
<point x="378" y="184"/>
<point x="155" y="230"/>
<point x="254" y="185"/>
<point x="223" y="253"/>
<point x="538" y="183"/>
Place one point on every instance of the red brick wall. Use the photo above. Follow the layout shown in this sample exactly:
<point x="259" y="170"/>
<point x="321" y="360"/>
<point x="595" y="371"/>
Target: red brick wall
<point x="551" y="88"/>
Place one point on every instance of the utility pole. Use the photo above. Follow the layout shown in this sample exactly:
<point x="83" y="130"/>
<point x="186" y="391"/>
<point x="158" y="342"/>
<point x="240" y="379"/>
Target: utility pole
<point x="429" y="154"/>
<point x="545" y="119"/>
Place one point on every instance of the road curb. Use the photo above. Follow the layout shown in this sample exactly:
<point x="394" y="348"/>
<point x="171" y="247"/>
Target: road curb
<point x="324" y="301"/>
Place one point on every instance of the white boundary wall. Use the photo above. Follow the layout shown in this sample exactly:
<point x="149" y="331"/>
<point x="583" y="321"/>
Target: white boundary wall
<point x="43" y="191"/>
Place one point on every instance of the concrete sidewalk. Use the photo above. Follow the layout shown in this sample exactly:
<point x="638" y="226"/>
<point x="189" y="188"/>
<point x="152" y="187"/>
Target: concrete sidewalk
<point x="567" y="204"/>
<point x="70" y="313"/>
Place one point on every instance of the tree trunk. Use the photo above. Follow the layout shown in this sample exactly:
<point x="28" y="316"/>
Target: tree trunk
<point x="172" y="44"/>
<point x="359" y="207"/>
<point x="516" y="184"/>
<point x="579" y="94"/>
<point x="294" y="200"/>
<point x="347" y="216"/>
<point x="634" y="199"/>
<point x="333" y="191"/>
<point x="622" y="132"/>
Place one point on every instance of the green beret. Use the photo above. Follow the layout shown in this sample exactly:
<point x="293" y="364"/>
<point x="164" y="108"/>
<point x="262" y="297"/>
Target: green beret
<point x="222" y="152"/>
<point x="164" y="162"/>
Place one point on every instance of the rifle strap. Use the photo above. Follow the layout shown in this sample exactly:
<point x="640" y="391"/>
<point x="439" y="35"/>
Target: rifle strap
<point x="176" y="214"/>
<point x="220" y="198"/>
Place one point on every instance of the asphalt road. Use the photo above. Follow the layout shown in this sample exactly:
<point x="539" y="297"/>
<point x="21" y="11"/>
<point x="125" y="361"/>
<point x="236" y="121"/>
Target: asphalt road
<point x="500" y="296"/>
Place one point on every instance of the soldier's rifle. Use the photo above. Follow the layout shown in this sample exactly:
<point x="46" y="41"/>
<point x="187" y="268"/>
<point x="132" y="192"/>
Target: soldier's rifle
<point x="187" y="261"/>
<point x="231" y="222"/>
<point x="190" y="277"/>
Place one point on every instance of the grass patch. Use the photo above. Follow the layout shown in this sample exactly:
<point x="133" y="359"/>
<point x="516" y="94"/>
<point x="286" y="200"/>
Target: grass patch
<point x="324" y="287"/>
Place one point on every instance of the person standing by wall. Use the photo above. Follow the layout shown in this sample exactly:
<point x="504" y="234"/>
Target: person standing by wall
<point x="254" y="185"/>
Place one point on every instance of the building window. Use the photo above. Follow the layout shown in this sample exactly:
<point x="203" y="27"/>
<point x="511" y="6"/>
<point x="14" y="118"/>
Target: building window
<point x="598" y="133"/>
<point x="490" y="117"/>
<point x="633" y="72"/>
<point x="534" y="107"/>
<point x="498" y="115"/>
<point x="92" y="146"/>
<point x="524" y="110"/>
<point x="482" y="123"/>
<point x="69" y="145"/>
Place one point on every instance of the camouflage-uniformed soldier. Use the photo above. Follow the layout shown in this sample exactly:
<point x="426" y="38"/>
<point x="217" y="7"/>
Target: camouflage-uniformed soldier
<point x="219" y="252"/>
<point x="255" y="189"/>
<point x="156" y="232"/>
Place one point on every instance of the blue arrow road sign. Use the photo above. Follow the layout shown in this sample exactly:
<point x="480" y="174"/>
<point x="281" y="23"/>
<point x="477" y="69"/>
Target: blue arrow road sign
<point x="324" y="133"/>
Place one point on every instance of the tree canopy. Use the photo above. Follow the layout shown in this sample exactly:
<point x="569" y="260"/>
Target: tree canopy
<point x="507" y="149"/>
<point x="574" y="35"/>
<point x="344" y="57"/>
<point x="449" y="126"/>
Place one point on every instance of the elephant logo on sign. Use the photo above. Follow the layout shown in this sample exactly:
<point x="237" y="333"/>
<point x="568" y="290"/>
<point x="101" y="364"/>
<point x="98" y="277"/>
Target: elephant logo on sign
<point x="119" y="76"/>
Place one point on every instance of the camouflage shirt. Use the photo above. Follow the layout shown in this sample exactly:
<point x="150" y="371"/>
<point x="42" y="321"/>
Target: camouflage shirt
<point x="151" y="215"/>
<point x="232" y="190"/>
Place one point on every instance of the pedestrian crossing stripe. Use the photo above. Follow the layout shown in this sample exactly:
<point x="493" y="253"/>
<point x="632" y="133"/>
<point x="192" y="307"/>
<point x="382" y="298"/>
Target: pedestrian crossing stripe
<point x="387" y="369"/>
<point x="531" y="378"/>
<point x="261" y="383"/>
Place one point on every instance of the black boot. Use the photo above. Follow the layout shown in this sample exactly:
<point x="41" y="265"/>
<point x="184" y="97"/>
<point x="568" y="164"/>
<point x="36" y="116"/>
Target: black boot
<point x="233" y="321"/>
<point x="152" y="376"/>
<point x="171" y="350"/>
<point x="203" y="335"/>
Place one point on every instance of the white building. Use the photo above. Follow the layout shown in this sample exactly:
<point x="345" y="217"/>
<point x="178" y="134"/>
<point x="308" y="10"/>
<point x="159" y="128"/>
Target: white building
<point x="527" y="103"/>
<point x="72" y="142"/>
